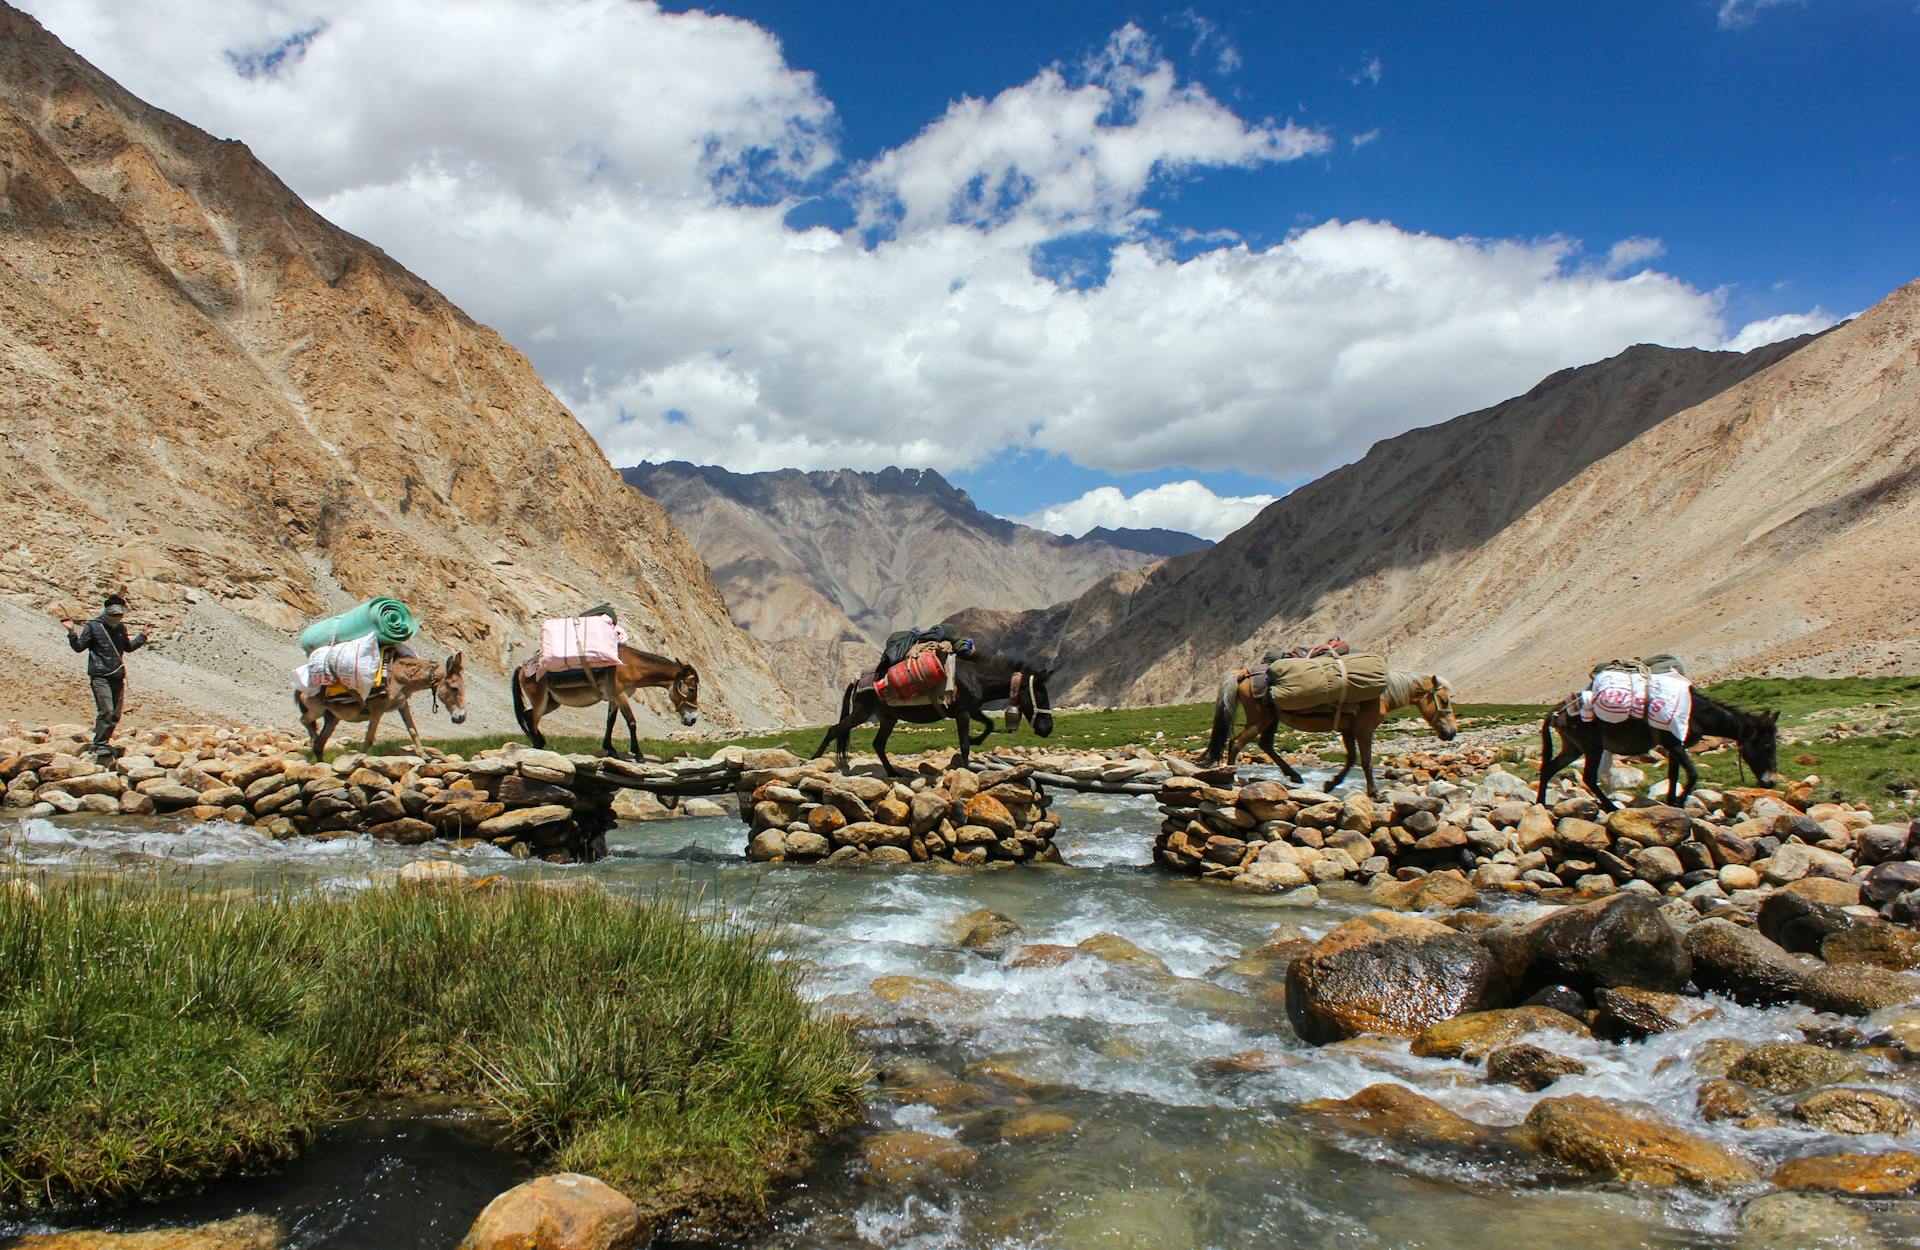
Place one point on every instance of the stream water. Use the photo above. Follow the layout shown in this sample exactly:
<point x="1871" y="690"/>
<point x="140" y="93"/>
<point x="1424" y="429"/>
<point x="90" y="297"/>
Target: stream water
<point x="1165" y="1147"/>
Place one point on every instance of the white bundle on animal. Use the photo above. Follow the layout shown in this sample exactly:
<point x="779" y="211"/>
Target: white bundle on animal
<point x="1663" y="700"/>
<point x="355" y="665"/>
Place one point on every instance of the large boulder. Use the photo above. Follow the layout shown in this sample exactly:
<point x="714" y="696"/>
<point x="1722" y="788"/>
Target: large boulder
<point x="1617" y="941"/>
<point x="1388" y="973"/>
<point x="1607" y="1141"/>
<point x="1742" y="964"/>
<point x="565" y="1211"/>
<point x="1797" y="923"/>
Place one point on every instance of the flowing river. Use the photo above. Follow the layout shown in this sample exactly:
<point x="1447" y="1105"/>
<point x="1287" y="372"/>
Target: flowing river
<point x="1160" y="1145"/>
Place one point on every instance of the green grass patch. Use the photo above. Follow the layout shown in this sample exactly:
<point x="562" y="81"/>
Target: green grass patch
<point x="153" y="1038"/>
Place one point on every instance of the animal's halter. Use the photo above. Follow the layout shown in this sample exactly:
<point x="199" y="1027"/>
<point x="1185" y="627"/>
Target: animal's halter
<point x="1014" y="687"/>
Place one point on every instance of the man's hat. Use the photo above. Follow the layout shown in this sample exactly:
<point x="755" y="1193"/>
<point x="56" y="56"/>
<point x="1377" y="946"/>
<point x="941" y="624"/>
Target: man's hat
<point x="116" y="604"/>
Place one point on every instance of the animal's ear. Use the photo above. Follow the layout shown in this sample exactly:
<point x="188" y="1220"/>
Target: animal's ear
<point x="1433" y="679"/>
<point x="453" y="662"/>
<point x="1773" y="718"/>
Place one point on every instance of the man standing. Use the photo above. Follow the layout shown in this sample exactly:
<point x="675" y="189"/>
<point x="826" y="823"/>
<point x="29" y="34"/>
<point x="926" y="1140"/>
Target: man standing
<point x="104" y="639"/>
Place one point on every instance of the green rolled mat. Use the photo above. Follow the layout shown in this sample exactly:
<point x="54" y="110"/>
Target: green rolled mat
<point x="388" y="618"/>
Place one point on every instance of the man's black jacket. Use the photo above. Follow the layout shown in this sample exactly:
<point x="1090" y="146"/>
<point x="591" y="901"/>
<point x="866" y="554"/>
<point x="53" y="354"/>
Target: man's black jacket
<point x="104" y="642"/>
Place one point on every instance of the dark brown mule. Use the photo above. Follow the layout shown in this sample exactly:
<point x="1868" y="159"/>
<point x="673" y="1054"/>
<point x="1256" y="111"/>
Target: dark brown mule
<point x="1755" y="735"/>
<point x="1354" y="722"/>
<point x="982" y="679"/>
<point x="534" y="697"/>
<point x="406" y="677"/>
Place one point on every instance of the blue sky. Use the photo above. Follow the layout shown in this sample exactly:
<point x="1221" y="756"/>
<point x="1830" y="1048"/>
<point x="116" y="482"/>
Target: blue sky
<point x="1053" y="248"/>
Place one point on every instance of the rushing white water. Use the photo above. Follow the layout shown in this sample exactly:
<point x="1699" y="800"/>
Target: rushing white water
<point x="1166" y="1147"/>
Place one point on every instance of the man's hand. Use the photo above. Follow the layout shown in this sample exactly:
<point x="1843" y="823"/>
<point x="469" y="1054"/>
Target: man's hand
<point x="66" y="623"/>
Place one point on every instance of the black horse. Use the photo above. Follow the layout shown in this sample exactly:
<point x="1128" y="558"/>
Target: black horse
<point x="1756" y="737"/>
<point x="982" y="679"/>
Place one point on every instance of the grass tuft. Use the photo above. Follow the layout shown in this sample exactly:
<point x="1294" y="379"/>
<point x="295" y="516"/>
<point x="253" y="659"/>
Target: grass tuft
<point x="153" y="1038"/>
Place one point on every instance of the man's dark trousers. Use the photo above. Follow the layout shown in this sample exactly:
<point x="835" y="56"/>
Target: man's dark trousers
<point x="107" y="693"/>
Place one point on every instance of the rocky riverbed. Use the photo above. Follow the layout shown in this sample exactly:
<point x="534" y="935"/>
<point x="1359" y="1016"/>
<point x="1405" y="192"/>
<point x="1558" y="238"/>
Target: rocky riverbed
<point x="1113" y="1051"/>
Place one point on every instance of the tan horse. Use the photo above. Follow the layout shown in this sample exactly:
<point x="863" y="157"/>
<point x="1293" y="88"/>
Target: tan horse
<point x="534" y="697"/>
<point x="1354" y="722"/>
<point x="406" y="677"/>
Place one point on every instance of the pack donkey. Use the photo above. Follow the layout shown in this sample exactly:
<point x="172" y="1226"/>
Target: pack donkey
<point x="406" y="676"/>
<point x="1354" y="722"/>
<point x="1754" y="734"/>
<point x="534" y="697"/>
<point x="982" y="679"/>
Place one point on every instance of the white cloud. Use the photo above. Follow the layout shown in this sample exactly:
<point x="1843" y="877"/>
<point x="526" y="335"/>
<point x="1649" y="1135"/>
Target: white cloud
<point x="1189" y="506"/>
<point x="1062" y="156"/>
<point x="1739" y="14"/>
<point x="1633" y="253"/>
<point x="1785" y="326"/>
<point x="609" y="184"/>
<point x="1208" y="37"/>
<point x="1365" y="137"/>
<point x="1369" y="73"/>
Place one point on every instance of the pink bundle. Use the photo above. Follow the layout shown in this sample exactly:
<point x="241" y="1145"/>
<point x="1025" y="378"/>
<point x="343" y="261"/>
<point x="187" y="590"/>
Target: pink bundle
<point x="576" y="642"/>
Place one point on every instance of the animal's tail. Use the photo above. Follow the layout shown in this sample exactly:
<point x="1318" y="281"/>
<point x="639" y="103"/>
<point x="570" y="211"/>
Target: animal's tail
<point x="1223" y="714"/>
<point x="1546" y="748"/>
<point x="846" y="700"/>
<point x="520" y="704"/>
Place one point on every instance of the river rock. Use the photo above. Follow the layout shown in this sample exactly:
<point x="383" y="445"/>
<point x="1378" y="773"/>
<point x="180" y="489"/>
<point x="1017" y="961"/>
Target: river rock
<point x="433" y="874"/>
<point x="1857" y="989"/>
<point x="1607" y="1141"/>
<point x="1878" y="944"/>
<point x="1876" y="844"/>
<point x="1803" y="1221"/>
<point x="406" y="831"/>
<point x="768" y="844"/>
<point x="1742" y="964"/>
<point x="1721" y="1099"/>
<point x="1436" y="891"/>
<point x="1115" y="949"/>
<point x="1897" y="1172"/>
<point x="912" y="1158"/>
<point x="565" y="1211"/>
<point x="1789" y="1067"/>
<point x="1396" y="1113"/>
<point x="1617" y="941"/>
<point x="1629" y="1012"/>
<point x="1854" y="1111"/>
<point x="1530" y="1067"/>
<point x="1658" y="825"/>
<point x="520" y="822"/>
<point x="1475" y="1034"/>
<point x="1886" y="882"/>
<point x="1797" y="923"/>
<point x="1387" y="973"/>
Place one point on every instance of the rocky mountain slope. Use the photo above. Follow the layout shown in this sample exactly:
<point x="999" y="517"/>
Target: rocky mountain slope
<point x="1753" y="513"/>
<point x="245" y="418"/>
<point x="822" y="566"/>
<point x="1158" y="542"/>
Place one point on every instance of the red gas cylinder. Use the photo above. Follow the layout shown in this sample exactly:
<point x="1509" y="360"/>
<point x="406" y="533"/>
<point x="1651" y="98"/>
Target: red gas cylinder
<point x="916" y="679"/>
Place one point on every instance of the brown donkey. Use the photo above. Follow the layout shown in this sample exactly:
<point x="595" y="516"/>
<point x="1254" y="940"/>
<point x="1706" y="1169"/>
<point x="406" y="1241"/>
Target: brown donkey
<point x="1354" y="722"/>
<point x="406" y="677"/>
<point x="534" y="697"/>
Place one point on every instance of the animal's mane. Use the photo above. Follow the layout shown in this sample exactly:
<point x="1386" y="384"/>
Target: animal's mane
<point x="1400" y="685"/>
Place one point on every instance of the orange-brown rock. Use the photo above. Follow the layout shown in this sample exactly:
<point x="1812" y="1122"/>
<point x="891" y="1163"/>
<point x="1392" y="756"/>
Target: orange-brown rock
<point x="1385" y="972"/>
<point x="1608" y="1141"/>
<point x="1897" y="1172"/>
<point x="565" y="1211"/>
